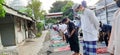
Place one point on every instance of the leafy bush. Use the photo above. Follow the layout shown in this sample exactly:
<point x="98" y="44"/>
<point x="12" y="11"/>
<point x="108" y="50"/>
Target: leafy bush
<point x="2" y="11"/>
<point x="39" y="34"/>
<point x="40" y="27"/>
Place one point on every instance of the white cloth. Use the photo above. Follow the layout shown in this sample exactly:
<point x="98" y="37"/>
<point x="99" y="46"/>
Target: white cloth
<point x="89" y="25"/>
<point x="63" y="28"/>
<point x="114" y="42"/>
<point x="77" y="23"/>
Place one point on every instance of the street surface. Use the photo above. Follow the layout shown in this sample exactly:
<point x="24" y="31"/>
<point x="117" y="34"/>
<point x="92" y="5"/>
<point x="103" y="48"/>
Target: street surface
<point x="58" y="48"/>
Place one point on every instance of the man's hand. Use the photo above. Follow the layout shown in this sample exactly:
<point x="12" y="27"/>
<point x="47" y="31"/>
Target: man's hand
<point x="69" y="36"/>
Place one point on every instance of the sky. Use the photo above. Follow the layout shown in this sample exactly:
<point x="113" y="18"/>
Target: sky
<point x="46" y="4"/>
<point x="22" y="2"/>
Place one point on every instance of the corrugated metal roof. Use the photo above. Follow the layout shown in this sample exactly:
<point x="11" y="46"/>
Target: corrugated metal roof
<point x="16" y="13"/>
<point x="57" y="14"/>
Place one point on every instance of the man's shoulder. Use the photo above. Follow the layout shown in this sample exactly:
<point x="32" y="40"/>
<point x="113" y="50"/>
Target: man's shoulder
<point x="116" y="11"/>
<point x="71" y="23"/>
<point x="88" y="11"/>
<point x="106" y="25"/>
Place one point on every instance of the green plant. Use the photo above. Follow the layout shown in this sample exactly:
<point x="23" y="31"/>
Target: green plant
<point x="51" y="20"/>
<point x="67" y="11"/>
<point x="38" y="34"/>
<point x="2" y="11"/>
<point x="40" y="27"/>
<point x="34" y="10"/>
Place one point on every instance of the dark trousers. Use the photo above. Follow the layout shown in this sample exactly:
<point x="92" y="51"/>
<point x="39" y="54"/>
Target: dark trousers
<point x="106" y="39"/>
<point x="66" y="37"/>
<point x="74" y="43"/>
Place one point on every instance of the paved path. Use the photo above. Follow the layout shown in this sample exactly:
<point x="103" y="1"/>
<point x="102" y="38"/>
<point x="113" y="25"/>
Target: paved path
<point x="33" y="46"/>
<point x="70" y="53"/>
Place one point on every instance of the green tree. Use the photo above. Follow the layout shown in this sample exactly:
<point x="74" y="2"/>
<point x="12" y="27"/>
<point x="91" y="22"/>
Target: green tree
<point x="41" y="14"/>
<point x="67" y="6"/>
<point x="67" y="11"/>
<point x="57" y="6"/>
<point x="34" y="10"/>
<point x="35" y="6"/>
<point x="63" y="6"/>
<point x="51" y="20"/>
<point x="40" y="27"/>
<point x="2" y="11"/>
<point x="27" y="11"/>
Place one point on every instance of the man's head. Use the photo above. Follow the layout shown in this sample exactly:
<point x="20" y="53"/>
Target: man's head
<point x="117" y="2"/>
<point x="66" y="20"/>
<point x="84" y="4"/>
<point x="79" y="8"/>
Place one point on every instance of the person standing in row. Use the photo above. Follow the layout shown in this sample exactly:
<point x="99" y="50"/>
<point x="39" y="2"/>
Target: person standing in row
<point x="106" y="31"/>
<point x="90" y="29"/>
<point x="72" y="36"/>
<point x="114" y="42"/>
<point x="63" y="31"/>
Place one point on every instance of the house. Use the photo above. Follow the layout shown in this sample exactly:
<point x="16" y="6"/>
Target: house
<point x="101" y="10"/>
<point x="54" y="15"/>
<point x="14" y="27"/>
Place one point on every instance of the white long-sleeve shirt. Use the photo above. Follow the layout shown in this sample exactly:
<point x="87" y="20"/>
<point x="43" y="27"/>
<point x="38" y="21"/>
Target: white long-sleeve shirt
<point x="114" y="44"/>
<point x="63" y="28"/>
<point x="89" y="25"/>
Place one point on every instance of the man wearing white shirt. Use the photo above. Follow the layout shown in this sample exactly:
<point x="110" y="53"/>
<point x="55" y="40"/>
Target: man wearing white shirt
<point x="90" y="27"/>
<point x="63" y="29"/>
<point x="114" y="41"/>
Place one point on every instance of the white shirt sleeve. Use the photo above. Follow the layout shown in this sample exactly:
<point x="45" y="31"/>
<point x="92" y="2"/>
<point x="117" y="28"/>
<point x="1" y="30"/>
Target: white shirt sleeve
<point x="94" y="19"/>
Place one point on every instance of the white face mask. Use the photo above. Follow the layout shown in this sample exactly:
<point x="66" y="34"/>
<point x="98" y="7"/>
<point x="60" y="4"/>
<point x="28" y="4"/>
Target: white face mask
<point x="80" y="12"/>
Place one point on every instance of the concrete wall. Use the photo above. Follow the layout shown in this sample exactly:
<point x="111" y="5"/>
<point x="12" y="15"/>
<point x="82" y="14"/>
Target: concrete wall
<point x="7" y="31"/>
<point x="1" y="46"/>
<point x="20" y="31"/>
